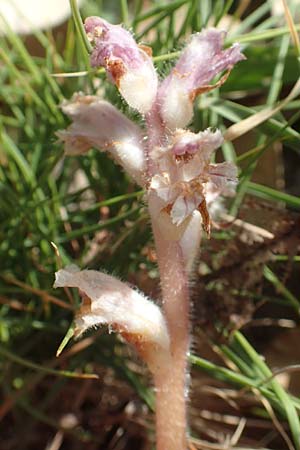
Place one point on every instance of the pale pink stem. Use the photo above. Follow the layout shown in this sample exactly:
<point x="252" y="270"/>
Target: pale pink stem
<point x="157" y="136"/>
<point x="171" y="379"/>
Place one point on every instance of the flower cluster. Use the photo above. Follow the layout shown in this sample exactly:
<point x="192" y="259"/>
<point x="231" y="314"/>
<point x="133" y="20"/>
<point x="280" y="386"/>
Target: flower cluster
<point x="171" y="163"/>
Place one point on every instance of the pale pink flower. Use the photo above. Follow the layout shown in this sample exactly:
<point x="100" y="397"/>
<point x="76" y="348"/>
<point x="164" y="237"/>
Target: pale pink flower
<point x="108" y="301"/>
<point x="128" y="65"/>
<point x="201" y="60"/>
<point x="186" y="181"/>
<point x="97" y="123"/>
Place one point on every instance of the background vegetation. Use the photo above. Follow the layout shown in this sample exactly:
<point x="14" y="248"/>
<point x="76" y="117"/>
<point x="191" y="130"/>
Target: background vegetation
<point x="54" y="211"/>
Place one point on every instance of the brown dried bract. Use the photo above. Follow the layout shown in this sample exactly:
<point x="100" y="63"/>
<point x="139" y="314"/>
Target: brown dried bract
<point x="210" y="87"/>
<point x="116" y="69"/>
<point x="206" y="222"/>
<point x="146" y="49"/>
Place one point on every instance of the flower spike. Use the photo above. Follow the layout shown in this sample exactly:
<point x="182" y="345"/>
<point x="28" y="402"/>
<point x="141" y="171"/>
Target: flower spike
<point x="181" y="185"/>
<point x="128" y="65"/>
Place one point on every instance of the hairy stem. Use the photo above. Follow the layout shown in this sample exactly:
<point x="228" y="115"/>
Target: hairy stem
<point x="171" y="379"/>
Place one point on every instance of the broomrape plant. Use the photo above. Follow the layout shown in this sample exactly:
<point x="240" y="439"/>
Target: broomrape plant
<point x="181" y="185"/>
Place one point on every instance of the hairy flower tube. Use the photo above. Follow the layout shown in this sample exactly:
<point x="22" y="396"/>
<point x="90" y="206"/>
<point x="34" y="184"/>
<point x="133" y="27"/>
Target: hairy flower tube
<point x="181" y="185"/>
<point x="108" y="301"/>
<point x="128" y="65"/>
<point x="201" y="60"/>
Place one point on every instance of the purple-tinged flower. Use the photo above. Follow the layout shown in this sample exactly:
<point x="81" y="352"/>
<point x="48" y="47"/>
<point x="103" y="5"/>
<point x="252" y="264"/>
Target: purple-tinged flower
<point x="97" y="123"/>
<point x="128" y="65"/>
<point x="108" y="301"/>
<point x="201" y="60"/>
<point x="186" y="181"/>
